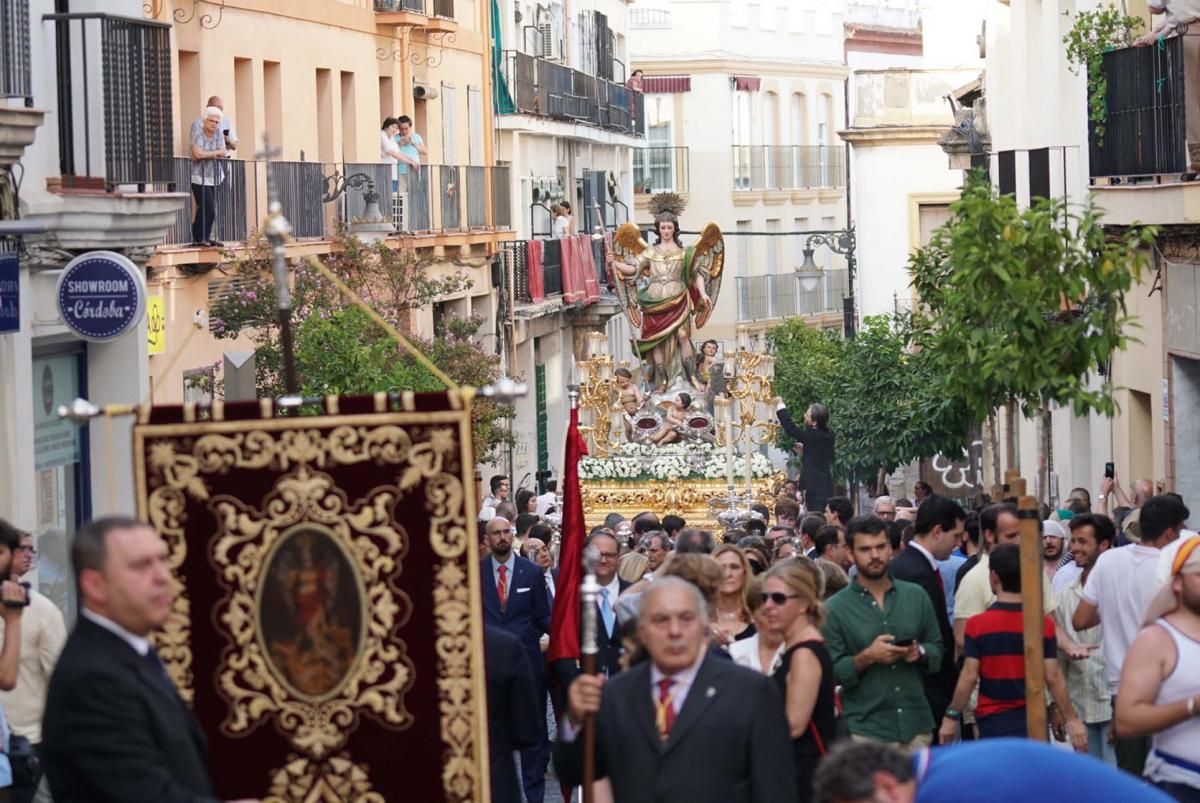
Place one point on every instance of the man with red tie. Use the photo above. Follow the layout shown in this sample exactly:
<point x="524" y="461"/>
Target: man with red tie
<point x="658" y="721"/>
<point x="515" y="599"/>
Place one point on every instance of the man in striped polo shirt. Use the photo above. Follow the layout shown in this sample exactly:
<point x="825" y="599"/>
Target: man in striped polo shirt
<point x="993" y="652"/>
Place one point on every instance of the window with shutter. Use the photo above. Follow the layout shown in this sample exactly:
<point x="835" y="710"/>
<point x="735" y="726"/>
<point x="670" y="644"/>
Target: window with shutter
<point x="449" y="125"/>
<point x="475" y="125"/>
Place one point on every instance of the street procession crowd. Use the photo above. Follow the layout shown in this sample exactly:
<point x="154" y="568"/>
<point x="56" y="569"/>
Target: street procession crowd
<point x="840" y="657"/>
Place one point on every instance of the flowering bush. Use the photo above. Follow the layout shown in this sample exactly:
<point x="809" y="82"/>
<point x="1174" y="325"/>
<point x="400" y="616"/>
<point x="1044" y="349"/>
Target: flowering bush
<point x="676" y="461"/>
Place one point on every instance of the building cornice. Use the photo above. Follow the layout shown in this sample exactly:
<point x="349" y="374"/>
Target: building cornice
<point x="740" y="66"/>
<point x="893" y="135"/>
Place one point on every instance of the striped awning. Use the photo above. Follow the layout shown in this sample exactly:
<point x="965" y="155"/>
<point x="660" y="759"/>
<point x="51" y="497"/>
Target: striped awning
<point x="666" y="84"/>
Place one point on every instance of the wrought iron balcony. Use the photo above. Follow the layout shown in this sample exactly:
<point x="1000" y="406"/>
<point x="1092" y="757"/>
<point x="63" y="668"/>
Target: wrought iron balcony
<point x="660" y="169"/>
<point x="1145" y="130"/>
<point x="439" y="199"/>
<point x="778" y="296"/>
<point x="114" y="102"/>
<point x="430" y="8"/>
<point x="15" y="76"/>
<point x="535" y="86"/>
<point x="788" y="167"/>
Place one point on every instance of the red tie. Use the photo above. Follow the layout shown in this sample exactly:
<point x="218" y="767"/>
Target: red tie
<point x="502" y="586"/>
<point x="664" y="708"/>
<point x="941" y="581"/>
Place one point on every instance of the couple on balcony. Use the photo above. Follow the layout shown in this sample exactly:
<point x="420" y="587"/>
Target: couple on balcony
<point x="403" y="147"/>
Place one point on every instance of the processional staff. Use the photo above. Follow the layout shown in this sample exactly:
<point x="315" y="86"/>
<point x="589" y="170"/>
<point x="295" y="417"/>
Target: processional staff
<point x="589" y="593"/>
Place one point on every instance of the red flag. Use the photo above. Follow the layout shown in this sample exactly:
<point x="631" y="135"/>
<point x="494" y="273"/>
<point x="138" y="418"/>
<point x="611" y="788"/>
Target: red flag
<point x="564" y="619"/>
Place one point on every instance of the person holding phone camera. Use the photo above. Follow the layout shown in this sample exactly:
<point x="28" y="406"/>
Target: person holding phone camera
<point x="15" y="597"/>
<point x="43" y="632"/>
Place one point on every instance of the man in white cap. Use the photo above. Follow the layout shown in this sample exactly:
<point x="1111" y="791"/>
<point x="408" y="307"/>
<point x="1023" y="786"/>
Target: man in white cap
<point x="1160" y="681"/>
<point x="1053" y="536"/>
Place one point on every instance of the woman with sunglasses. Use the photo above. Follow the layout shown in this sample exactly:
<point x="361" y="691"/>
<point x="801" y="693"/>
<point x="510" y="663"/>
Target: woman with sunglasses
<point x="792" y="605"/>
<point x="763" y="651"/>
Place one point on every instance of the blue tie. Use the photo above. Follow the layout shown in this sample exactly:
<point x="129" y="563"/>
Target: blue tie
<point x="606" y="611"/>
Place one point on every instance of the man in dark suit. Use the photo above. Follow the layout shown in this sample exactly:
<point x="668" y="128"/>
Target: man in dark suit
<point x="516" y="720"/>
<point x="115" y="728"/>
<point x="684" y="726"/>
<point x="938" y="527"/>
<point x="816" y="462"/>
<point x="515" y="599"/>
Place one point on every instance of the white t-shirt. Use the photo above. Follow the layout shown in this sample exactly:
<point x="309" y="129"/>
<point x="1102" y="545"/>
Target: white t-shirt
<point x="1121" y="585"/>
<point x="562" y="227"/>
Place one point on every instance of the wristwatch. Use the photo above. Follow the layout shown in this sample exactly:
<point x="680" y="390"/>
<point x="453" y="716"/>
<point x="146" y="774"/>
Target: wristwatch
<point x="953" y="713"/>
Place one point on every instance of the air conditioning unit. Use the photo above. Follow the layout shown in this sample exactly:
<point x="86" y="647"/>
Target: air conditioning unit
<point x="423" y="91"/>
<point x="546" y="40"/>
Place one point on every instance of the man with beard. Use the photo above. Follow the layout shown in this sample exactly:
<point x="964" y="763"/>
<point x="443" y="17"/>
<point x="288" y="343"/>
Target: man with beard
<point x="515" y="599"/>
<point x="882" y="635"/>
<point x="1053" y="536"/>
<point x="1160" y="681"/>
<point x="1079" y="652"/>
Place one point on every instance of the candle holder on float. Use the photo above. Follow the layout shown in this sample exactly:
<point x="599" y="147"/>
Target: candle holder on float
<point x="744" y="416"/>
<point x="599" y="398"/>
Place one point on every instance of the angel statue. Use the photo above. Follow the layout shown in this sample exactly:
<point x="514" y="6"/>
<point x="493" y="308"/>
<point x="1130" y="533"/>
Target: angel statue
<point x="664" y="288"/>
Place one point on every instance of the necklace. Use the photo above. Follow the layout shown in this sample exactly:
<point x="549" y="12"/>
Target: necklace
<point x="729" y="614"/>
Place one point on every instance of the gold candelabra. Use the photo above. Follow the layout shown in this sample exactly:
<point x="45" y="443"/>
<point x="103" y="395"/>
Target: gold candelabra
<point x="744" y="415"/>
<point x="599" y="398"/>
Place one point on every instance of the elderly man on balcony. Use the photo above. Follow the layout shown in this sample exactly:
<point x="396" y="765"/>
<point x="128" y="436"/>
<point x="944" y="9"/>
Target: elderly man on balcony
<point x="1175" y="15"/>
<point x="207" y="150"/>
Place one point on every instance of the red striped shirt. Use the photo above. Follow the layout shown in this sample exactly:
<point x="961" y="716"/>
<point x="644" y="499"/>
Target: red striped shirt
<point x="996" y="638"/>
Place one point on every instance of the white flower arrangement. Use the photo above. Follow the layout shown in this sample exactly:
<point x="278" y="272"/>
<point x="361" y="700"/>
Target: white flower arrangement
<point x="677" y="461"/>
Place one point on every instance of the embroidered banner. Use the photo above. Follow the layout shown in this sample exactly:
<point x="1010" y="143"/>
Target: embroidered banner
<point x="327" y="629"/>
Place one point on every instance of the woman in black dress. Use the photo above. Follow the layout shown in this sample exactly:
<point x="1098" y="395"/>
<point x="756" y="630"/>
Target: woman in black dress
<point x="792" y="602"/>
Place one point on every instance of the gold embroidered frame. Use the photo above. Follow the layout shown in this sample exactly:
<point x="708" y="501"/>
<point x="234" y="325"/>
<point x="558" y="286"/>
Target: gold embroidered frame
<point x="341" y="483"/>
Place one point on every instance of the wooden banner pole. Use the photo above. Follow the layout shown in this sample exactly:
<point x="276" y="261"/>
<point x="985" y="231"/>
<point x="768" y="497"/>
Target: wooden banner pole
<point x="1032" y="577"/>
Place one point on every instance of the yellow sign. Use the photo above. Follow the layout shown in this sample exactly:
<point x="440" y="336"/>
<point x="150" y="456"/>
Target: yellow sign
<point x="156" y="324"/>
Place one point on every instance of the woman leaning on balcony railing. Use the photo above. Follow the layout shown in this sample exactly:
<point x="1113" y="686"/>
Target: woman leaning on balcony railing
<point x="208" y="149"/>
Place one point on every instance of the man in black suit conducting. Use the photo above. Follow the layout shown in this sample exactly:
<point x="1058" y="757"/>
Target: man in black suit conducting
<point x="816" y="463"/>
<point x="657" y="723"/>
<point x="939" y="526"/>
<point x="115" y="728"/>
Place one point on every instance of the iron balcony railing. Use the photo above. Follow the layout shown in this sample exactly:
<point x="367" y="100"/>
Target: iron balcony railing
<point x="788" y="167"/>
<point x="1145" y="130"/>
<point x="432" y="8"/>
<point x="776" y="296"/>
<point x="552" y="284"/>
<point x="114" y="101"/>
<point x="545" y="89"/>
<point x="438" y="199"/>
<point x="661" y="168"/>
<point x="15" y="76"/>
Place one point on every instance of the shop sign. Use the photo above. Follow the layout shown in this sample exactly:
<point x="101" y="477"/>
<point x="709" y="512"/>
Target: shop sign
<point x="10" y="294"/>
<point x="101" y="295"/>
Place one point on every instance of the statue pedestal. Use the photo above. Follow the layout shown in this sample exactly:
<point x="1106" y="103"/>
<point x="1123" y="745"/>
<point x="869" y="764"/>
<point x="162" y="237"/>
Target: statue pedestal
<point x="687" y="498"/>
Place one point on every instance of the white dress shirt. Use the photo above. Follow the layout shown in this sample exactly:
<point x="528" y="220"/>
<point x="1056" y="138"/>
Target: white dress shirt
<point x="928" y="555"/>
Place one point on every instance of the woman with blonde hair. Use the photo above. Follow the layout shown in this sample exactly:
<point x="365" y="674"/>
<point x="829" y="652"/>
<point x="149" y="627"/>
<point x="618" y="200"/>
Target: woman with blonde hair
<point x="733" y="610"/>
<point x="763" y="651"/>
<point x="792" y="604"/>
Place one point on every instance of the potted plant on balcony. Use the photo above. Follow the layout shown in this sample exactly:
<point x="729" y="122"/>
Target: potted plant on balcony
<point x="643" y="185"/>
<point x="1093" y="34"/>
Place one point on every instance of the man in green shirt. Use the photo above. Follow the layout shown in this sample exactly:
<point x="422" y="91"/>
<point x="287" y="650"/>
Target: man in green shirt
<point x="882" y="635"/>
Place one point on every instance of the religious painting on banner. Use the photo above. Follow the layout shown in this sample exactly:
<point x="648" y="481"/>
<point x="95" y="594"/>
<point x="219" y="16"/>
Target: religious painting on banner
<point x="327" y="628"/>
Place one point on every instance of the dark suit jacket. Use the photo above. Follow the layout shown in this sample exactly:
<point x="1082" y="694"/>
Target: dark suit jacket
<point x="515" y="715"/>
<point x="912" y="565"/>
<point x="116" y="730"/>
<point x="527" y="614"/>
<point x="816" y="465"/>
<point x="729" y="743"/>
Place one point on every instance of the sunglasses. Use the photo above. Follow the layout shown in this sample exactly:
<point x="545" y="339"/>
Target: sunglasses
<point x="777" y="597"/>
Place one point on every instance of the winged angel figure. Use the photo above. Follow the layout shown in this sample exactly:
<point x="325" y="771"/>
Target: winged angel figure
<point x="665" y="288"/>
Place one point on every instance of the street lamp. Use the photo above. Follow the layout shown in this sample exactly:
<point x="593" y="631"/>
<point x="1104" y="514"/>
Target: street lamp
<point x="809" y="272"/>
<point x="845" y="243"/>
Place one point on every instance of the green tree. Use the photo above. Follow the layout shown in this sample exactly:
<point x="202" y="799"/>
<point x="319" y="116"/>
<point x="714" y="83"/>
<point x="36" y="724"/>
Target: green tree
<point x="883" y="399"/>
<point x="339" y="350"/>
<point x="1021" y="307"/>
